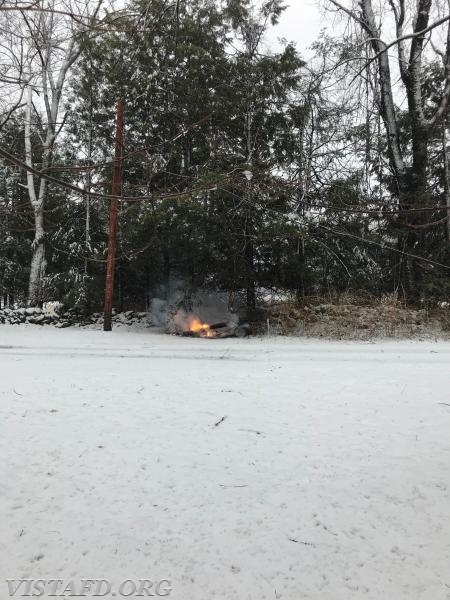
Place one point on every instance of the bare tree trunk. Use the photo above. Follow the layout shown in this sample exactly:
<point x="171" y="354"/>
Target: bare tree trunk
<point x="249" y="268"/>
<point x="51" y="95"/>
<point x="38" y="262"/>
<point x="304" y="178"/>
<point x="87" y="233"/>
<point x="37" y="267"/>
<point x="249" y="251"/>
<point x="446" y="181"/>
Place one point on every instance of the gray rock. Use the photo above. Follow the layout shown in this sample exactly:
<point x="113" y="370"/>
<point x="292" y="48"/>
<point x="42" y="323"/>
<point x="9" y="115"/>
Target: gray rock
<point x="36" y="319"/>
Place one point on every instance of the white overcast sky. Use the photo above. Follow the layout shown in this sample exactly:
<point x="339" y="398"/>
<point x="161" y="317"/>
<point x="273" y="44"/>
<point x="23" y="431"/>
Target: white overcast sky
<point x="303" y="20"/>
<point x="301" y="23"/>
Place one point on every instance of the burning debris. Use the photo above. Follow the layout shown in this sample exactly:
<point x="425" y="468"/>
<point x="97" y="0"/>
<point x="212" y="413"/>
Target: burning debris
<point x="216" y="330"/>
<point x="206" y="315"/>
<point x="197" y="328"/>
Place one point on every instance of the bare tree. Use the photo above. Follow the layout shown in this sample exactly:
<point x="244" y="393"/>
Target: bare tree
<point x="409" y="166"/>
<point x="53" y="40"/>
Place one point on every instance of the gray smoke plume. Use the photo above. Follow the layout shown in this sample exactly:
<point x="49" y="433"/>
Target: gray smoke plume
<point x="178" y="306"/>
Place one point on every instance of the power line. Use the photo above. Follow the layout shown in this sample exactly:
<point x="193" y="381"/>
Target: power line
<point x="385" y="247"/>
<point x="167" y="196"/>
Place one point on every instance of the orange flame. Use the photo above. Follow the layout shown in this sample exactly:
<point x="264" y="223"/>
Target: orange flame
<point x="201" y="329"/>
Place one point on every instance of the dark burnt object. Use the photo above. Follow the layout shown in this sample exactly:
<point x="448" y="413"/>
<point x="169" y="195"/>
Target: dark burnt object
<point x="220" y="331"/>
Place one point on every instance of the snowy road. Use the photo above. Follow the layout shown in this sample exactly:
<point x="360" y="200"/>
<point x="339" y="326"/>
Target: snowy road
<point x="328" y="478"/>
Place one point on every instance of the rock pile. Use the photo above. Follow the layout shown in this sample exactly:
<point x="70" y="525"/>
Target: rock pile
<point x="71" y="317"/>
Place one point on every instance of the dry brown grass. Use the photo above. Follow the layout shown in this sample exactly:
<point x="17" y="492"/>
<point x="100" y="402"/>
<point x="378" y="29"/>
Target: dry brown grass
<point x="349" y="317"/>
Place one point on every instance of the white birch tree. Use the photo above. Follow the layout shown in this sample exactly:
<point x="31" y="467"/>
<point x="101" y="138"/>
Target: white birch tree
<point x="54" y="40"/>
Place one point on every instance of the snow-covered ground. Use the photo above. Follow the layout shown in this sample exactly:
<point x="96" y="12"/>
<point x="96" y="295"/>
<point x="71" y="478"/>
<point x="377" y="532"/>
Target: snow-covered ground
<point x="328" y="477"/>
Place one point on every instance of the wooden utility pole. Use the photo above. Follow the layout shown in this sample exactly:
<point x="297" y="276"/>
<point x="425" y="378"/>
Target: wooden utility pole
<point x="113" y="212"/>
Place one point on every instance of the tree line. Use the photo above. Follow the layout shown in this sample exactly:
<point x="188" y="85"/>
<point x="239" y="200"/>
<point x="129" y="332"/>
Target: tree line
<point x="245" y="167"/>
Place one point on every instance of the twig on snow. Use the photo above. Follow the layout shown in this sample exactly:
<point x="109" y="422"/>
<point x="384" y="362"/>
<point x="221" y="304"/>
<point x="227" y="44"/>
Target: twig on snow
<point x="300" y="542"/>
<point x="253" y="431"/>
<point x="232" y="486"/>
